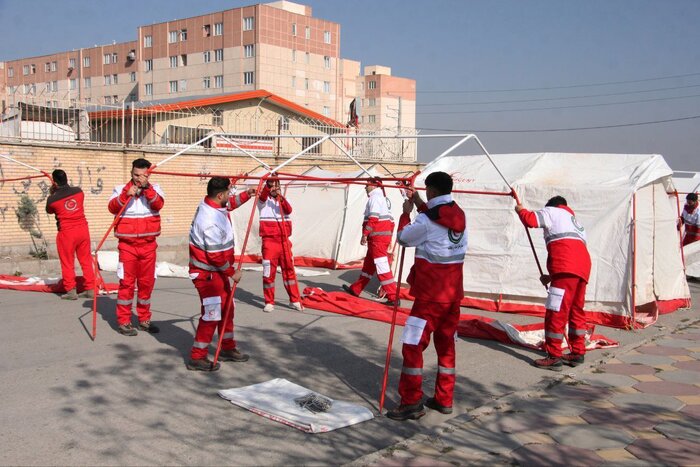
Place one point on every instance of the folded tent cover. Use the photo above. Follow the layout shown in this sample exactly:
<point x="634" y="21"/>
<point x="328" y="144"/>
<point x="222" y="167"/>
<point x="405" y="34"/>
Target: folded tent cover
<point x="624" y="201"/>
<point x="326" y="218"/>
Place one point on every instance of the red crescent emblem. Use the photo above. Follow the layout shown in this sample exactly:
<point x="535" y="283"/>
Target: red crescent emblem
<point x="71" y="205"/>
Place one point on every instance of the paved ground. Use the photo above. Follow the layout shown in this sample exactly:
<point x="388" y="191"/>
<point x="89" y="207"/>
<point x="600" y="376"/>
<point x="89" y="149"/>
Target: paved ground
<point x="130" y="400"/>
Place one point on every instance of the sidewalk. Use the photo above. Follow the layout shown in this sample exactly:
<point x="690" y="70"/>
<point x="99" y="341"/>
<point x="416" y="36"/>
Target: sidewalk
<point x="640" y="408"/>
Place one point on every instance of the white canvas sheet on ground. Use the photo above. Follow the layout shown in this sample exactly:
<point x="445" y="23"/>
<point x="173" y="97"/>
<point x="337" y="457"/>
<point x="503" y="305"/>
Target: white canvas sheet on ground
<point x="274" y="399"/>
<point x="600" y="188"/>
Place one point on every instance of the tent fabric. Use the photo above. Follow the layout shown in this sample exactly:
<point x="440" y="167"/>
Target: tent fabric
<point x="326" y="219"/>
<point x="274" y="400"/>
<point x="692" y="259"/>
<point x="47" y="285"/>
<point x="605" y="191"/>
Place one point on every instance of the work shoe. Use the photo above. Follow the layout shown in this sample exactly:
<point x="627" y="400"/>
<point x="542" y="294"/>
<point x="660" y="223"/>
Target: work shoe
<point x="149" y="327"/>
<point x="347" y="289"/>
<point x="389" y="302"/>
<point x="269" y="308"/>
<point x="127" y="329"/>
<point x="571" y="359"/>
<point x="202" y="364"/>
<point x="70" y="295"/>
<point x="406" y="412"/>
<point x="548" y="363"/>
<point x="233" y="355"/>
<point x="87" y="293"/>
<point x="297" y="306"/>
<point x="431" y="403"/>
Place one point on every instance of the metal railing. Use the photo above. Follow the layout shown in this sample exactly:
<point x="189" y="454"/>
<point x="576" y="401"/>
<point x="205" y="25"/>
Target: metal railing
<point x="170" y="126"/>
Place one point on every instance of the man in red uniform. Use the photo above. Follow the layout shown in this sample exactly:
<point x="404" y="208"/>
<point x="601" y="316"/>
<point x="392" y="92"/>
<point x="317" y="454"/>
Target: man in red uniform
<point x="137" y="229"/>
<point x="439" y="234"/>
<point x="275" y="229"/>
<point x="377" y="230"/>
<point x="73" y="236"/>
<point x="691" y="219"/>
<point x="211" y="267"/>
<point x="569" y="267"/>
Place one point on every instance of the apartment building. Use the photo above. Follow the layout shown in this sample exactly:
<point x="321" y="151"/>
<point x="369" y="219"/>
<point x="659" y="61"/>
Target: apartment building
<point x="279" y="47"/>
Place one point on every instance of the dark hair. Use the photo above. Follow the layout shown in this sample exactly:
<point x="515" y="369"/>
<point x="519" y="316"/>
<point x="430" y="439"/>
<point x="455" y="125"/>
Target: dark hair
<point x="556" y="201"/>
<point x="59" y="177"/>
<point x="440" y="181"/>
<point x="141" y="163"/>
<point x="374" y="181"/>
<point x="216" y="185"/>
<point x="691" y="197"/>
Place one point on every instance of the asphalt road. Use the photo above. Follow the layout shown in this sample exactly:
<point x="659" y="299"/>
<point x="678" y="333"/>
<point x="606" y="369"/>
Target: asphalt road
<point x="130" y="400"/>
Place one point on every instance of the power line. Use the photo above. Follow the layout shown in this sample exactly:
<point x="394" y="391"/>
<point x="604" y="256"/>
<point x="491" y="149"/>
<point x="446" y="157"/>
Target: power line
<point x="543" y="130"/>
<point x="544" y="99"/>
<point x="559" y="107"/>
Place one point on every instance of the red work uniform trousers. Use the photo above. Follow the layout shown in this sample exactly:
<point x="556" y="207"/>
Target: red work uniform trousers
<point x="376" y="260"/>
<point x="137" y="268"/>
<point x="428" y="318"/>
<point x="72" y="242"/>
<point x="214" y="290"/>
<point x="565" y="301"/>
<point x="276" y="250"/>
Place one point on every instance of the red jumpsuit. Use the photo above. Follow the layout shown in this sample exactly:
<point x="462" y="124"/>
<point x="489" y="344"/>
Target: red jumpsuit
<point x="440" y="237"/>
<point x="73" y="236"/>
<point x="275" y="230"/>
<point x="378" y="227"/>
<point x="691" y="219"/>
<point x="211" y="266"/>
<point x="569" y="265"/>
<point x="136" y="230"/>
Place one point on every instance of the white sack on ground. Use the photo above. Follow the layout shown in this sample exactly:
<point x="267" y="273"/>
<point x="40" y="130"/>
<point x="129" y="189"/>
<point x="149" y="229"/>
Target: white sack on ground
<point x="274" y="399"/>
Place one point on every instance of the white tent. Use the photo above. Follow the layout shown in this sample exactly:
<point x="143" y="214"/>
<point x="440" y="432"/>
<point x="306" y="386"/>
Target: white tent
<point x="686" y="182"/>
<point x="326" y="218"/>
<point x="621" y="199"/>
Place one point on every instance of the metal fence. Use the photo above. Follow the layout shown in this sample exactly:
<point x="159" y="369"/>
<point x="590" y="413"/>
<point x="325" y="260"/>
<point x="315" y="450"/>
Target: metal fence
<point x="173" y="126"/>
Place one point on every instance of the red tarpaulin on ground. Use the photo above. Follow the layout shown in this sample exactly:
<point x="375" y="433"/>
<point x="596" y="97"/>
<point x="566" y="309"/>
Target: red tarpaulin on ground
<point x="38" y="284"/>
<point x="474" y="326"/>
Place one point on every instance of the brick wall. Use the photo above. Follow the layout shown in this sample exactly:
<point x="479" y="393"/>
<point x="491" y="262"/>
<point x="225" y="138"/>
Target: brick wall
<point x="97" y="171"/>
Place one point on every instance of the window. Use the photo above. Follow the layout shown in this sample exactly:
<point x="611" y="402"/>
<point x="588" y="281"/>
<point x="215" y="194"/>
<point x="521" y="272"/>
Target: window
<point x="206" y="30"/>
<point x="183" y="35"/>
<point x="48" y="86"/>
<point x="108" y="99"/>
<point x="327" y="62"/>
<point x="306" y="83"/>
<point x="219" y="55"/>
<point x="149" y="89"/>
<point x="132" y="77"/>
<point x="173" y="86"/>
<point x="294" y="55"/>
<point x="248" y="23"/>
<point x="115" y="79"/>
<point x="326" y="111"/>
<point x="248" y="77"/>
<point x="114" y="58"/>
<point x="54" y="86"/>
<point x="106" y="59"/>
<point x="54" y="66"/>
<point x="148" y="64"/>
<point x="294" y="82"/>
<point x="307" y="32"/>
<point x="294" y="29"/>
<point x="308" y="141"/>
<point x="73" y="102"/>
<point x="327" y="37"/>
<point x="249" y="50"/>
<point x="183" y="60"/>
<point x="73" y="84"/>
<point x="148" y="41"/>
<point x="206" y="82"/>
<point x="115" y="99"/>
<point x="207" y="56"/>
<point x="47" y="67"/>
<point x="172" y="37"/>
<point x="371" y="102"/>
<point x="71" y="63"/>
<point x="87" y="82"/>
<point x="88" y="99"/>
<point x="326" y="87"/>
<point x="372" y="85"/>
<point x="173" y="61"/>
<point x="32" y="69"/>
<point x="86" y="62"/>
<point x="25" y="70"/>
<point x="219" y="81"/>
<point x="217" y="117"/>
<point x="218" y="29"/>
<point x="307" y="58"/>
<point x="183" y="85"/>
<point x="108" y="80"/>
<point x="26" y="89"/>
<point x="371" y="118"/>
<point x="10" y="72"/>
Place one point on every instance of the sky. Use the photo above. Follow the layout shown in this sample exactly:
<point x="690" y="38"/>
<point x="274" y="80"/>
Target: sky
<point x="594" y="74"/>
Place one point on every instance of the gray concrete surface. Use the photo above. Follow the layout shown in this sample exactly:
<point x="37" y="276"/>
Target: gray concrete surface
<point x="131" y="401"/>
